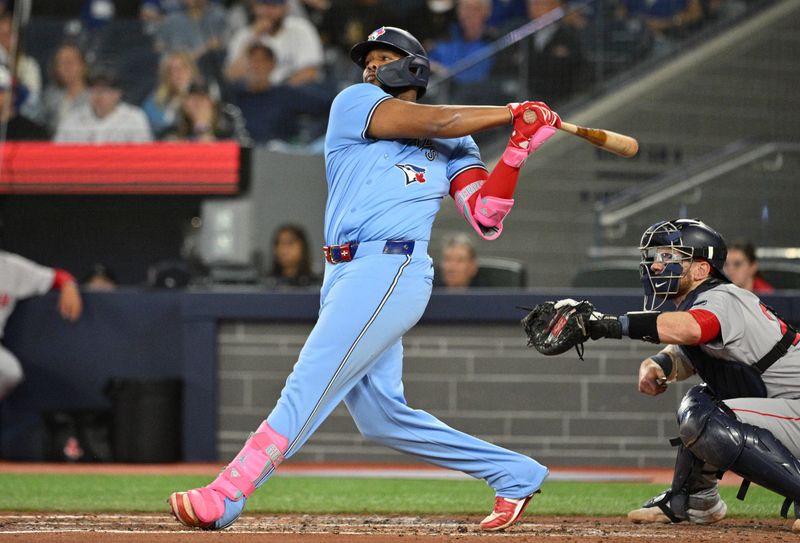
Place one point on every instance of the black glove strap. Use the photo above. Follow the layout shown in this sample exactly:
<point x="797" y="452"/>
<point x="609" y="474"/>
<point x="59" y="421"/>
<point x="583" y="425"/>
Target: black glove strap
<point x="663" y="360"/>
<point x="642" y="325"/>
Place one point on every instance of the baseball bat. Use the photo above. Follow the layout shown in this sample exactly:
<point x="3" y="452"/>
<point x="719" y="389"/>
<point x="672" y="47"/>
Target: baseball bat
<point x="619" y="144"/>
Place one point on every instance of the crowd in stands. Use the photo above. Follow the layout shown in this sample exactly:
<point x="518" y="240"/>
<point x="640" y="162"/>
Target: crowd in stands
<point x="264" y="70"/>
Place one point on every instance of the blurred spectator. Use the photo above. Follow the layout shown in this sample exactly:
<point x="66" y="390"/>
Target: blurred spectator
<point x="557" y="65"/>
<point x="468" y="36"/>
<point x="24" y="68"/>
<point x="175" y="75"/>
<point x="431" y="21"/>
<point x="345" y="23"/>
<point x="198" y="29"/>
<point x="106" y="118"/>
<point x="237" y="17"/>
<point x="203" y="118"/>
<point x="459" y="265"/>
<point x="741" y="267"/>
<point x="612" y="39"/>
<point x="291" y="261"/>
<point x="152" y="13"/>
<point x="97" y="13"/>
<point x="18" y="127"/>
<point x="100" y="277"/>
<point x="21" y="278"/>
<point x="671" y="18"/>
<point x="272" y="111"/>
<point x="294" y="40"/>
<point x="238" y="13"/>
<point x="68" y="87"/>
<point x="506" y="13"/>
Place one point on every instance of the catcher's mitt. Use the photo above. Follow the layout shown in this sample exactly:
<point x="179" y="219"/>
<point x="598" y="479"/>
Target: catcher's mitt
<point x="555" y="327"/>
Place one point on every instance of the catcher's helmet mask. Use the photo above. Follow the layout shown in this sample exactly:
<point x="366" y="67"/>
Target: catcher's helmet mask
<point x="411" y="71"/>
<point x="686" y="239"/>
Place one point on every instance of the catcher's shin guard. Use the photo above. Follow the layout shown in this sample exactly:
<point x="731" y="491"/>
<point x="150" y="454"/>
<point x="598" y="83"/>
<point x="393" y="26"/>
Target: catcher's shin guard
<point x="713" y="434"/>
<point x="219" y="504"/>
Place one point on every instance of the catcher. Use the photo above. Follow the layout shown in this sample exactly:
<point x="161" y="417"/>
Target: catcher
<point x="744" y="418"/>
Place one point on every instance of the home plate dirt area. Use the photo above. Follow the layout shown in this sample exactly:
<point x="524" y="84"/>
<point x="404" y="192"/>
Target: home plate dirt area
<point x="80" y="528"/>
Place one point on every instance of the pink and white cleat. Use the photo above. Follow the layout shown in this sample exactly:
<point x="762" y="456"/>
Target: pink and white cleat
<point x="507" y="511"/>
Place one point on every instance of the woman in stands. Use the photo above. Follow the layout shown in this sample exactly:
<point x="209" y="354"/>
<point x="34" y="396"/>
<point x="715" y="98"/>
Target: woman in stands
<point x="175" y="75"/>
<point x="741" y="267"/>
<point x="291" y="261"/>
<point x="202" y="117"/>
<point x="68" y="88"/>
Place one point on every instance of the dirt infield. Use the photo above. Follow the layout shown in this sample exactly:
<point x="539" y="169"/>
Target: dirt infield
<point x="158" y="528"/>
<point x="262" y="528"/>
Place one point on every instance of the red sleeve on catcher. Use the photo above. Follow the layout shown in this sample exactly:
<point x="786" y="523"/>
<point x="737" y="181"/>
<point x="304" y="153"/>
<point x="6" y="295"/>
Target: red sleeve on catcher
<point x="501" y="182"/>
<point x="61" y="278"/>
<point x="709" y="324"/>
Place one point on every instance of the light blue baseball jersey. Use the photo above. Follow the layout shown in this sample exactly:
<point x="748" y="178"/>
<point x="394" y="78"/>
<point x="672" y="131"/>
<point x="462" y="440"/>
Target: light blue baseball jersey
<point x="385" y="189"/>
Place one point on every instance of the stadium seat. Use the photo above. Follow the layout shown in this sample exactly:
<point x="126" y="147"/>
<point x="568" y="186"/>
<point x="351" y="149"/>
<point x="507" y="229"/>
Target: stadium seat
<point x="781" y="275"/>
<point x="608" y="274"/>
<point x="501" y="272"/>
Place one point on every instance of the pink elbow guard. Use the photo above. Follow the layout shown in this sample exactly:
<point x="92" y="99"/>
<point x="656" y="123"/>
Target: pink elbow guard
<point x="487" y="215"/>
<point x="490" y="210"/>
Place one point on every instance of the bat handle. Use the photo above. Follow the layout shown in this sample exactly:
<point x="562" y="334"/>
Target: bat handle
<point x="593" y="135"/>
<point x="619" y="144"/>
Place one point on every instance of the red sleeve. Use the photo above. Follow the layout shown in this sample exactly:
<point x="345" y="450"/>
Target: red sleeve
<point x="761" y="286"/>
<point x="709" y="324"/>
<point x="61" y="278"/>
<point x="466" y="178"/>
<point x="500" y="183"/>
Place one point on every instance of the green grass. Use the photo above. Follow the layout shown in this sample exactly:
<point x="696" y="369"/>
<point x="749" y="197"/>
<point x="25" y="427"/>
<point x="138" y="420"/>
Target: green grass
<point x="147" y="493"/>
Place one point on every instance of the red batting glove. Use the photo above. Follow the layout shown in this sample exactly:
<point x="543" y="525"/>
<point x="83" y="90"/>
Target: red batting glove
<point x="527" y="137"/>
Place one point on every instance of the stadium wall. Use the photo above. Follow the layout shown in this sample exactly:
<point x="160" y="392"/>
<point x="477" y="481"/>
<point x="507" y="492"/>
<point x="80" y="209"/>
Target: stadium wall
<point x="466" y="362"/>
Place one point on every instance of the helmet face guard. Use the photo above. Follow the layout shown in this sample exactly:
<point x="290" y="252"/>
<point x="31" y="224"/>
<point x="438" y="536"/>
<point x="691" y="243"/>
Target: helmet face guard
<point x="405" y="72"/>
<point x="662" y="243"/>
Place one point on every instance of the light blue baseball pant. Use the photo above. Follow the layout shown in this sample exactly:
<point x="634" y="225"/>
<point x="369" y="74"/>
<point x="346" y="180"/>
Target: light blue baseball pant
<point x="355" y="354"/>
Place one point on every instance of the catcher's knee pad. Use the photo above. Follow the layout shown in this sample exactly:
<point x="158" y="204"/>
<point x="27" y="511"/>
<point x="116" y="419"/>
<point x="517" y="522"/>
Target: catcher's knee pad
<point x="707" y="430"/>
<point x="715" y="436"/>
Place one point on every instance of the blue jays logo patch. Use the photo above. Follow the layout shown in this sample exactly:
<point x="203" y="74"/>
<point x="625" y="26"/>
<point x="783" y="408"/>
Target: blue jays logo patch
<point x="376" y="34"/>
<point x="414" y="174"/>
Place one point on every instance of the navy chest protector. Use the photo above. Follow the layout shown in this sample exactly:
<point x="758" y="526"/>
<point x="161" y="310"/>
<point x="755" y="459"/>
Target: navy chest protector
<point x="730" y="378"/>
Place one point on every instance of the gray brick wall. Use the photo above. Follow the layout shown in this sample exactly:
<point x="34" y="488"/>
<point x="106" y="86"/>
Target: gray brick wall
<point x="481" y="379"/>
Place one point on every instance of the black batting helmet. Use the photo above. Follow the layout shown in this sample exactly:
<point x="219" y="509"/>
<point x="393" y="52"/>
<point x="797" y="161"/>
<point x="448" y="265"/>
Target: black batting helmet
<point x="413" y="70"/>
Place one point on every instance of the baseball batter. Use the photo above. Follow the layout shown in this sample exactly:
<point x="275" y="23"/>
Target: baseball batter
<point x="389" y="164"/>
<point x="20" y="278"/>
<point x="744" y="418"/>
